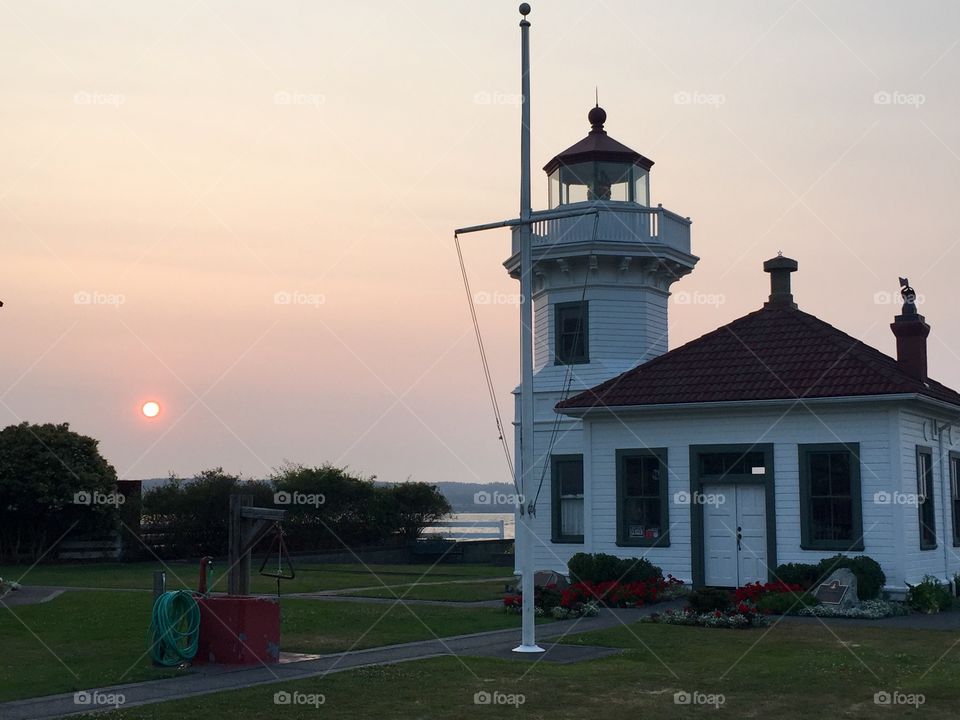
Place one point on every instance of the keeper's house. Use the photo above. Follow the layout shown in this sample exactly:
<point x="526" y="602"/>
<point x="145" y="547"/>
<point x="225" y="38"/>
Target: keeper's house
<point x="776" y="438"/>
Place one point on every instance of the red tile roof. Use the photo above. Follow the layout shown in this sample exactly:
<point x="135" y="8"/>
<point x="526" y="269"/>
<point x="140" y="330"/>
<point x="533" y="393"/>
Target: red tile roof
<point x="777" y="352"/>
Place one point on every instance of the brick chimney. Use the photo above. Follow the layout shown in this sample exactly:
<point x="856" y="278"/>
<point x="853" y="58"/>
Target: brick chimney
<point x="911" y="332"/>
<point x="780" y="268"/>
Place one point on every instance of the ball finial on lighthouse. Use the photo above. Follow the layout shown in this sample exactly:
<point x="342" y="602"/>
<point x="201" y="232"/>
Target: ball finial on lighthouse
<point x="524" y="9"/>
<point x="597" y="117"/>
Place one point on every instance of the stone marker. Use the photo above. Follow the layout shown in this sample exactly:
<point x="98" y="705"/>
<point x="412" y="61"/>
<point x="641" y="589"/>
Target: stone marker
<point x="542" y="578"/>
<point x="839" y="590"/>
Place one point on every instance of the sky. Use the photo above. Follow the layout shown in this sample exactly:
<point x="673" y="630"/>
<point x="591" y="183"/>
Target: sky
<point x="244" y="210"/>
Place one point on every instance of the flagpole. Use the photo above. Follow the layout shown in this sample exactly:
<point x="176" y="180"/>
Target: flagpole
<point x="525" y="535"/>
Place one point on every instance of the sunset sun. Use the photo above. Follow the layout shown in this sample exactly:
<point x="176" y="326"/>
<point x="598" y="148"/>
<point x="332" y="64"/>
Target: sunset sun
<point x="150" y="409"/>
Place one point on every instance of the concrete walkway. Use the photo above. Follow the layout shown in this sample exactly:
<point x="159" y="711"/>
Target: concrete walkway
<point x="43" y="593"/>
<point x="202" y="681"/>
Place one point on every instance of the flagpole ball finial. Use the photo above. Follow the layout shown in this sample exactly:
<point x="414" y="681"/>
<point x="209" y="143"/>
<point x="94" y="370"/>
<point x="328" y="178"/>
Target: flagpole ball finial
<point x="524" y="9"/>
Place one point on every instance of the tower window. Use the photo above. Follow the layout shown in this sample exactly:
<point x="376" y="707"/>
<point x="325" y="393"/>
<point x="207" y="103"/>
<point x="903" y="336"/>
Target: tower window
<point x="571" y="333"/>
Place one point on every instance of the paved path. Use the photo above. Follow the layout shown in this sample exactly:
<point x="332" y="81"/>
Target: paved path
<point x="210" y="680"/>
<point x="42" y="593"/>
<point x="30" y="596"/>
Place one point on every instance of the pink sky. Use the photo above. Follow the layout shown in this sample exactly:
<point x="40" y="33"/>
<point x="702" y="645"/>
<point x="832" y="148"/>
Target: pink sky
<point x="181" y="163"/>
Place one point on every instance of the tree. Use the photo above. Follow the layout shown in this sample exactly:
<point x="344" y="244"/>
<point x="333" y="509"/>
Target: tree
<point x="192" y="516"/>
<point x="53" y="481"/>
<point x="327" y="507"/>
<point x="415" y="506"/>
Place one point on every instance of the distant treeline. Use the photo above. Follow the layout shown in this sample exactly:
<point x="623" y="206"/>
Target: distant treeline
<point x="55" y="486"/>
<point x="460" y="495"/>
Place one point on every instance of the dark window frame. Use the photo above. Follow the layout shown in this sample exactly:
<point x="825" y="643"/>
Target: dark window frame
<point x="955" y="495"/>
<point x="623" y="540"/>
<point x="555" y="526"/>
<point x="807" y="541"/>
<point x="558" y="310"/>
<point x="928" y="500"/>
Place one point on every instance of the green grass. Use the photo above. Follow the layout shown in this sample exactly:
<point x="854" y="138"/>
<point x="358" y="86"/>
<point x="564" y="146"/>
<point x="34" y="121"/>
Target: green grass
<point x="329" y="626"/>
<point x="795" y="671"/>
<point x="310" y="577"/>
<point x="86" y="639"/>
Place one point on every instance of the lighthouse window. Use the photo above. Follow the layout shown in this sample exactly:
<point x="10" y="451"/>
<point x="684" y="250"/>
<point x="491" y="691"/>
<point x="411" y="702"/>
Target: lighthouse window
<point x="642" y="497"/>
<point x="571" y="333"/>
<point x="567" y="484"/>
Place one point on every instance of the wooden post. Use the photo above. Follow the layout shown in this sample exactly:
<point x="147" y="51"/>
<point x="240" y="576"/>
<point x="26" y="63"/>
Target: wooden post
<point x="159" y="583"/>
<point x="238" y="562"/>
<point x="247" y="526"/>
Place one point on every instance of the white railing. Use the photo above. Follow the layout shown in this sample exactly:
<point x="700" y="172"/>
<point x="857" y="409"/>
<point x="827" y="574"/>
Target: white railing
<point x="614" y="222"/>
<point x="496" y="525"/>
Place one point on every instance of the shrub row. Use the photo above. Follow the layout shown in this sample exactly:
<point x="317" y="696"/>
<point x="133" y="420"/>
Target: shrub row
<point x="870" y="576"/>
<point x="601" y="568"/>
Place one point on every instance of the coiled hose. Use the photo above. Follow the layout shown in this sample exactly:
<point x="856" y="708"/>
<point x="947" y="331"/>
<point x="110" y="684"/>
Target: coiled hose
<point x="174" y="628"/>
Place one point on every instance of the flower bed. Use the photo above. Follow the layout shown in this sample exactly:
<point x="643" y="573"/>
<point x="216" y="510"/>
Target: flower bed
<point x="755" y="591"/>
<point x="617" y="594"/>
<point x="867" y="610"/>
<point x="742" y="617"/>
<point x="585" y="599"/>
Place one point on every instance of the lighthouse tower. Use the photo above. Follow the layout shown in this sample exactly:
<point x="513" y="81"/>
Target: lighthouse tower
<point x="600" y="289"/>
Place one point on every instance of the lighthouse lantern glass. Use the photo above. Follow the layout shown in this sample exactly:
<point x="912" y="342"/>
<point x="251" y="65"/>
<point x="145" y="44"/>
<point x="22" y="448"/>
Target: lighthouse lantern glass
<point x="605" y="181"/>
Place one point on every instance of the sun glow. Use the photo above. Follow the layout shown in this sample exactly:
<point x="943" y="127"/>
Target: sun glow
<point x="150" y="409"/>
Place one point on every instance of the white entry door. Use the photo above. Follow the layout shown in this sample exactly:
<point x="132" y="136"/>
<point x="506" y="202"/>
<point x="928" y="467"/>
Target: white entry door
<point x="734" y="535"/>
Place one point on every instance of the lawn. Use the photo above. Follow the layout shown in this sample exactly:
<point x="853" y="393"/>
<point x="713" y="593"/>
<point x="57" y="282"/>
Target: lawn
<point x="794" y="671"/>
<point x="86" y="639"/>
<point x="310" y="577"/>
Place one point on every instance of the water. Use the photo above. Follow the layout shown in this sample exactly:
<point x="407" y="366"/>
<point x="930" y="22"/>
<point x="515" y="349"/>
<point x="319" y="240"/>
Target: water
<point x="465" y="525"/>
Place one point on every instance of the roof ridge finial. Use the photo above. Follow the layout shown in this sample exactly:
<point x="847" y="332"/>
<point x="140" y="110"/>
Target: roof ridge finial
<point x="596" y="95"/>
<point x="597" y="117"/>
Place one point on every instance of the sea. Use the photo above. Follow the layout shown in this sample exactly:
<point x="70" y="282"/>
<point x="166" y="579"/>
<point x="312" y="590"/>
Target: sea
<point x="468" y="524"/>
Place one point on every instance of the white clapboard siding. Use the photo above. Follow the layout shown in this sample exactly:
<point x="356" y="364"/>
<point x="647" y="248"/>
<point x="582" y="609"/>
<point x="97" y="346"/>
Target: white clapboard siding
<point x="871" y="425"/>
<point x="916" y="430"/>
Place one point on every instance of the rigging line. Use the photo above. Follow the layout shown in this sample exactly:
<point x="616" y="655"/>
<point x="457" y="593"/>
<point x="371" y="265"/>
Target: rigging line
<point x="486" y="366"/>
<point x="568" y="379"/>
<point x="565" y="388"/>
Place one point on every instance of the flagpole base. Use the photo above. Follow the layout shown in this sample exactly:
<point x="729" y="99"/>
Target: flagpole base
<point x="528" y="649"/>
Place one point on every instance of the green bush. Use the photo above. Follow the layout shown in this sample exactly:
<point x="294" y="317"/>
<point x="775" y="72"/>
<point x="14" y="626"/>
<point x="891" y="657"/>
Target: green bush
<point x="546" y="598"/>
<point x="600" y="567"/>
<point x="803" y="574"/>
<point x="870" y="576"/>
<point x="707" y="600"/>
<point x="785" y="602"/>
<point x="930" y="596"/>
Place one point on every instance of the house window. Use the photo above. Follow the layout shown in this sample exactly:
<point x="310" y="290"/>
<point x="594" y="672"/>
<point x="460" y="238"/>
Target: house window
<point x="830" y="504"/>
<point x="928" y="523"/>
<point x="642" y="497"/>
<point x="571" y="333"/>
<point x="955" y="495"/>
<point x="567" y="488"/>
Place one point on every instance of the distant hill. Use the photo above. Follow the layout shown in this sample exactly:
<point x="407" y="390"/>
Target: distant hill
<point x="464" y="496"/>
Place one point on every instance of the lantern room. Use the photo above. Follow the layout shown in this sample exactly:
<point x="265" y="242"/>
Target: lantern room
<point x="598" y="168"/>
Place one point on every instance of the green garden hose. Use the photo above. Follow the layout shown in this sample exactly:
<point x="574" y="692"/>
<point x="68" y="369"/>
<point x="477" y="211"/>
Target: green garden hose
<point x="174" y="628"/>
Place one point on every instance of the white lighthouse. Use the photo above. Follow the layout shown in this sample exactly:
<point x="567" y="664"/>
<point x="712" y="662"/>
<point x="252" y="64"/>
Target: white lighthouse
<point x="601" y="281"/>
